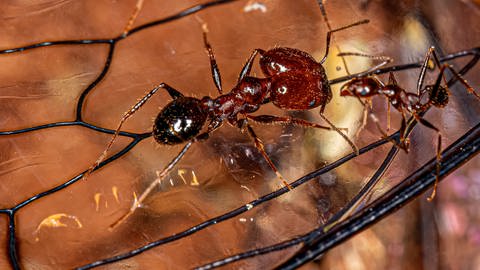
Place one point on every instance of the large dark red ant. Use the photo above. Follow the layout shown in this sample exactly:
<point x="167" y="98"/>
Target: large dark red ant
<point x="365" y="87"/>
<point x="294" y="80"/>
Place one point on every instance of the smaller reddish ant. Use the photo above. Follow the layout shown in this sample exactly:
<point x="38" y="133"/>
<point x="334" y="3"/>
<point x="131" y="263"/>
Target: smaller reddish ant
<point x="294" y="80"/>
<point x="413" y="103"/>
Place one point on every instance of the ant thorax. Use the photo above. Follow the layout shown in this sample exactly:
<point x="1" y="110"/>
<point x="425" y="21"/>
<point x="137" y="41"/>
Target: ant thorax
<point x="245" y="97"/>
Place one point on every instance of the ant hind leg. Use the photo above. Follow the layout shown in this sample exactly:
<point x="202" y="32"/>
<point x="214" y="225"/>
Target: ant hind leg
<point x="438" y="153"/>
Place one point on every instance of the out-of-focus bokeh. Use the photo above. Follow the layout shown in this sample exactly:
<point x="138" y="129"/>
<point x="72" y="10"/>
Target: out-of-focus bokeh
<point x="70" y="228"/>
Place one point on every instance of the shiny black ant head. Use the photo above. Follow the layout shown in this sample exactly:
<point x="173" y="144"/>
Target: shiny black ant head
<point x="179" y="121"/>
<point x="361" y="87"/>
<point x="438" y="97"/>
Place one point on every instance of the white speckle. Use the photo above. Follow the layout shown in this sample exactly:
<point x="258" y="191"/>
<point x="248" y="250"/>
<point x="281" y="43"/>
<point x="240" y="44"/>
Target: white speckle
<point x="255" y="6"/>
<point x="282" y="90"/>
<point x="177" y="126"/>
<point x="242" y="219"/>
<point x="249" y="206"/>
<point x="251" y="219"/>
<point x="245" y="187"/>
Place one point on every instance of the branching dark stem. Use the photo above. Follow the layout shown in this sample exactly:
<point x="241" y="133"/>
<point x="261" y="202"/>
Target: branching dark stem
<point x="137" y="137"/>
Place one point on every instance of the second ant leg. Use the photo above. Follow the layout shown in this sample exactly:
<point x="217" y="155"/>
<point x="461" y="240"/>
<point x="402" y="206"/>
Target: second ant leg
<point x="354" y="147"/>
<point x="439" y="150"/>
<point x="259" y="145"/>
<point x="384" y="60"/>
<point x="432" y="52"/>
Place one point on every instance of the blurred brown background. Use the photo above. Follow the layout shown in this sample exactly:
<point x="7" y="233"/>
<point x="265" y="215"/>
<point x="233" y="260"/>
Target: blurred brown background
<point x="42" y="86"/>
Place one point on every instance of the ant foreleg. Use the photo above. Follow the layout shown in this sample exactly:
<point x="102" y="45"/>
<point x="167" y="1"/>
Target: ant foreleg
<point x="373" y="116"/>
<point x="242" y="124"/>
<point x="133" y="17"/>
<point x="160" y="176"/>
<point x="439" y="149"/>
<point x="171" y="91"/>
<point x="271" y="119"/>
<point x="217" y="79"/>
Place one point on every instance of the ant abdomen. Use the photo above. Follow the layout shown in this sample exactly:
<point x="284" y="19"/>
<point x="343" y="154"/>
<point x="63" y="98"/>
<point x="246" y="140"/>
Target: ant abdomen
<point x="282" y="59"/>
<point x="439" y="98"/>
<point x="285" y="94"/>
<point x="298" y="82"/>
<point x="179" y="121"/>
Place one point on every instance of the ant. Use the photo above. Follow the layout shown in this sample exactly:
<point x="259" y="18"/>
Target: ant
<point x="293" y="80"/>
<point x="416" y="104"/>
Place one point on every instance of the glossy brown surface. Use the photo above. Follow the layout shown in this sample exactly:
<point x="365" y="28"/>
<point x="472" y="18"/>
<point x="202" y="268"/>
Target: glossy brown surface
<point x="35" y="91"/>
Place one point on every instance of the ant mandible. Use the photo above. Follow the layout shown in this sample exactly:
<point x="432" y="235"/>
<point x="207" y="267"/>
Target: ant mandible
<point x="416" y="104"/>
<point x="294" y="80"/>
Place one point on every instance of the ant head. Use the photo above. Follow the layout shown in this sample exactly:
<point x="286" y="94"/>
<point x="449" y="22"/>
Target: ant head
<point x="179" y="121"/>
<point x="361" y="87"/>
<point x="438" y="97"/>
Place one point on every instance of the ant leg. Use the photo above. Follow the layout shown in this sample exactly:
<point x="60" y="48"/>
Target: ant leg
<point x="388" y="114"/>
<point x="160" y="176"/>
<point x="373" y="116"/>
<point x="421" y="77"/>
<point x="439" y="149"/>
<point x="213" y="62"/>
<point x="459" y="77"/>
<point x="248" y="66"/>
<point x="133" y="17"/>
<point x="321" y="5"/>
<point x="242" y="124"/>
<point x="384" y="60"/>
<point x="271" y="119"/>
<point x="345" y="137"/>
<point x="329" y="36"/>
<point x="171" y="91"/>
